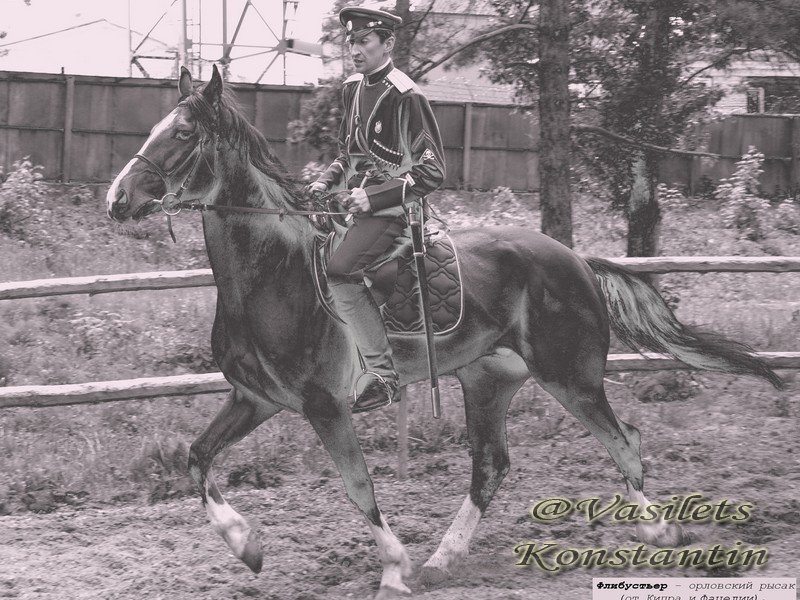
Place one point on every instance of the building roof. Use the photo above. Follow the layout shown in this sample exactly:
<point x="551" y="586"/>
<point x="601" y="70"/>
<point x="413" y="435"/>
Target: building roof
<point x="460" y="89"/>
<point x="457" y="7"/>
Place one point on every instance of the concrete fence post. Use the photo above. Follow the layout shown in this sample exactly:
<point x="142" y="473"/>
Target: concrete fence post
<point x="794" y="153"/>
<point x="69" y="113"/>
<point x="466" y="162"/>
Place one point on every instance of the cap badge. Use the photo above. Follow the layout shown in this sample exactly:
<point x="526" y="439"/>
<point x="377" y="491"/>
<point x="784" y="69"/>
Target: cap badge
<point x="378" y="126"/>
<point x="349" y="26"/>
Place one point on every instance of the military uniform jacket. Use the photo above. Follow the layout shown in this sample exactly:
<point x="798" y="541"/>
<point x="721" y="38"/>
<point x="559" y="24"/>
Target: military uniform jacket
<point x="389" y="132"/>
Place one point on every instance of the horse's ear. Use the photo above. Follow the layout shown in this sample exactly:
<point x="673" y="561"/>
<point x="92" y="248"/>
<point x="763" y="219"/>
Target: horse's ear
<point x="213" y="89"/>
<point x="185" y="82"/>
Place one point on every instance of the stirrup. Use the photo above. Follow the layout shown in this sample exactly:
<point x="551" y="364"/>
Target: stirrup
<point x="378" y="393"/>
<point x="379" y="377"/>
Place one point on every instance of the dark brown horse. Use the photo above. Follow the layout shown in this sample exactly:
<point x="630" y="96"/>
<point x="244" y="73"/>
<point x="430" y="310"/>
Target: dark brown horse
<point x="532" y="308"/>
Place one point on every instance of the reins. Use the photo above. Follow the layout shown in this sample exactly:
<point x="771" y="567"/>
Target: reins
<point x="281" y="212"/>
<point x="171" y="204"/>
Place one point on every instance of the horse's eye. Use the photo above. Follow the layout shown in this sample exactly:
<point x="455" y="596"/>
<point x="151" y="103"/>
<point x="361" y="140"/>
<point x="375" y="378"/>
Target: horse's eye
<point x="183" y="135"/>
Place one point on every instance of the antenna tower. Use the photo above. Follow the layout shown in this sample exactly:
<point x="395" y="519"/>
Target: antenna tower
<point x="193" y="53"/>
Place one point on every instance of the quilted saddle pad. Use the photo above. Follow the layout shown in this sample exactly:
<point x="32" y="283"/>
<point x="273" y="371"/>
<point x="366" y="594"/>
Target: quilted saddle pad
<point x="402" y="311"/>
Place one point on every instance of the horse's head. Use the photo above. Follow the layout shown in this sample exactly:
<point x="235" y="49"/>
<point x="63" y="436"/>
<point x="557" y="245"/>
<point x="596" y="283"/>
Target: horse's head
<point x="173" y="155"/>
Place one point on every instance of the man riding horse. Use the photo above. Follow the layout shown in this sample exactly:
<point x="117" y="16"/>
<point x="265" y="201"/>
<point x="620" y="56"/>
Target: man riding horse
<point x="390" y="154"/>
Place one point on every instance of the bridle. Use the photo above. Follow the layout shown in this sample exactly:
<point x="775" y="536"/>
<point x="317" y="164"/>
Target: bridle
<point x="174" y="207"/>
<point x="171" y="203"/>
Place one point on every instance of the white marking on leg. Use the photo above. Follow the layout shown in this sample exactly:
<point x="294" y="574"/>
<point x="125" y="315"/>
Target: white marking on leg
<point x="162" y="125"/>
<point x="394" y="558"/>
<point x="648" y="531"/>
<point x="455" y="543"/>
<point x="229" y="524"/>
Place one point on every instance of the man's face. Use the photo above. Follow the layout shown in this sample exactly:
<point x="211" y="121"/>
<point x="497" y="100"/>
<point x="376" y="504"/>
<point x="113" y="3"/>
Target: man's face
<point x="369" y="52"/>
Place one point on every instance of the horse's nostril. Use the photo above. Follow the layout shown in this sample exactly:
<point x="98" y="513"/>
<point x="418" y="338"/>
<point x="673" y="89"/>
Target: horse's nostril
<point x="119" y="205"/>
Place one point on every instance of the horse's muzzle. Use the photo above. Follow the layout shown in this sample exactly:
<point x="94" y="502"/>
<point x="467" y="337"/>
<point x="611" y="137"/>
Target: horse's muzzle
<point x="119" y="206"/>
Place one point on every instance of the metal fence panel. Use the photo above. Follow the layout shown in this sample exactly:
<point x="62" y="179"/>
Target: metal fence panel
<point x="450" y="118"/>
<point x="111" y="118"/>
<point x="731" y="139"/>
<point x="497" y="168"/>
<point x="43" y="147"/>
<point x="36" y="104"/>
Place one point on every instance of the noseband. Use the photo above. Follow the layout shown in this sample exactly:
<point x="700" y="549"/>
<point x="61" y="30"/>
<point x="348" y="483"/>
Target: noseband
<point x="170" y="202"/>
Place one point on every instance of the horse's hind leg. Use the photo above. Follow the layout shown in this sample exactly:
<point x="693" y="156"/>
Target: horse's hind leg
<point x="238" y="417"/>
<point x="621" y="440"/>
<point x="571" y="369"/>
<point x="488" y="384"/>
<point x="332" y="422"/>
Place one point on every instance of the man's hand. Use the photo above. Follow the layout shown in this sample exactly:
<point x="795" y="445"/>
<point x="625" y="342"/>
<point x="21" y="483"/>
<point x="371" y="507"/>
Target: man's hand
<point x="314" y="189"/>
<point x="357" y="202"/>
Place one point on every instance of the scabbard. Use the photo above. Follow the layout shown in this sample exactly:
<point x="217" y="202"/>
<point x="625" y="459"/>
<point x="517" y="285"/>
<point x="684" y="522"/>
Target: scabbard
<point x="418" y="245"/>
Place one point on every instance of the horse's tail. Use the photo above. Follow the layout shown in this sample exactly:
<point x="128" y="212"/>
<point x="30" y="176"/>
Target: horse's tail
<point x="642" y="320"/>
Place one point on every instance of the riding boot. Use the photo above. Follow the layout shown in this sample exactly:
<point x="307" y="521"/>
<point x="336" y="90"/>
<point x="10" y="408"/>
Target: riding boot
<point x="357" y="308"/>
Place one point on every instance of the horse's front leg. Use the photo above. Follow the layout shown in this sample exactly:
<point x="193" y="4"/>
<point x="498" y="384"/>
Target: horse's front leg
<point x="489" y="384"/>
<point x="238" y="417"/>
<point x="331" y="420"/>
<point x="659" y="533"/>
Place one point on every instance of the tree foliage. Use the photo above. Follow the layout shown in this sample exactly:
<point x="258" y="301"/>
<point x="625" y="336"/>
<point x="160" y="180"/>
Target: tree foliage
<point x="634" y="69"/>
<point x="319" y="120"/>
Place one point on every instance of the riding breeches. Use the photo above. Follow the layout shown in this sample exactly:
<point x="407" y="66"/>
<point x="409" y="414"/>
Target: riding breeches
<point x="363" y="244"/>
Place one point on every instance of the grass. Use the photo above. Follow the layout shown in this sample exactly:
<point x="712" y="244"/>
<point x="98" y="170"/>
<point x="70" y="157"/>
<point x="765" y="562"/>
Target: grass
<point x="136" y="451"/>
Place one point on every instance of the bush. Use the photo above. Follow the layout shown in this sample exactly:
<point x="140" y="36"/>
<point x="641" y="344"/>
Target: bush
<point x="787" y="216"/>
<point x="500" y="206"/>
<point x="671" y="198"/>
<point x="311" y="171"/>
<point x="319" y="120"/>
<point x="742" y="206"/>
<point x="162" y="465"/>
<point x="22" y="195"/>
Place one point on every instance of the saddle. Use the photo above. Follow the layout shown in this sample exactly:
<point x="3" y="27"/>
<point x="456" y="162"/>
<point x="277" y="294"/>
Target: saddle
<point x="401" y="307"/>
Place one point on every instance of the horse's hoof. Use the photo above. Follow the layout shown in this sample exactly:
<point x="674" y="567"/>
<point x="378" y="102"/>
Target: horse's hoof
<point x="253" y="556"/>
<point x="430" y="576"/>
<point x="672" y="535"/>
<point x="389" y="593"/>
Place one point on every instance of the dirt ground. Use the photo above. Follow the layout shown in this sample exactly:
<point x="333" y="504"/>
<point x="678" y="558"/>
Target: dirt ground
<point x="735" y="440"/>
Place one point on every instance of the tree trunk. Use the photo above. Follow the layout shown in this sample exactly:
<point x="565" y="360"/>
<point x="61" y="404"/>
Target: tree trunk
<point x="554" y="145"/>
<point x="644" y="215"/>
<point x="402" y="49"/>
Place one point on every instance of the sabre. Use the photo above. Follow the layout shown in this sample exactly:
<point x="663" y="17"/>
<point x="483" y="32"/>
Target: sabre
<point x="418" y="245"/>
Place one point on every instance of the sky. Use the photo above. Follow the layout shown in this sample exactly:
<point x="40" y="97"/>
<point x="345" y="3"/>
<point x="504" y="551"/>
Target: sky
<point x="102" y="50"/>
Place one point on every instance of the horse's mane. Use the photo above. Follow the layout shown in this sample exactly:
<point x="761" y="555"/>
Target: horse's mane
<point x="235" y="129"/>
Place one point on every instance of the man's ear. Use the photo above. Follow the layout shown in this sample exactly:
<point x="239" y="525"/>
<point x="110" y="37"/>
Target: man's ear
<point x="389" y="44"/>
<point x="213" y="89"/>
<point x="185" y="83"/>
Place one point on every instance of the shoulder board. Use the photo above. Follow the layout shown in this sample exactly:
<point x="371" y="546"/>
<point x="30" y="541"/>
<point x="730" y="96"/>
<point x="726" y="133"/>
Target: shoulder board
<point x="355" y="77"/>
<point x="401" y="81"/>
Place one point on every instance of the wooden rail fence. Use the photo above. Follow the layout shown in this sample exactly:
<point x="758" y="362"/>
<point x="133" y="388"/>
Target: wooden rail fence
<point x="161" y="280"/>
<point x="40" y="396"/>
<point x="154" y="387"/>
